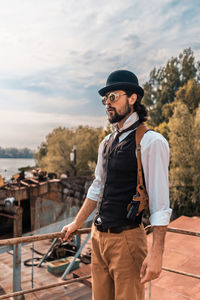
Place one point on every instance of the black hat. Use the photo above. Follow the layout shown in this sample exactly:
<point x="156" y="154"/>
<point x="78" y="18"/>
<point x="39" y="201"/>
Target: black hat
<point x="122" y="80"/>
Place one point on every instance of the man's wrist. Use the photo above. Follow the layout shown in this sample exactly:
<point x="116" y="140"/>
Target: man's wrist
<point x="158" y="240"/>
<point x="77" y="223"/>
<point x="157" y="251"/>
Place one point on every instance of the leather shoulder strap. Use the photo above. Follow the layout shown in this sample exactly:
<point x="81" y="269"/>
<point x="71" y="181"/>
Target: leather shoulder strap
<point x="140" y="131"/>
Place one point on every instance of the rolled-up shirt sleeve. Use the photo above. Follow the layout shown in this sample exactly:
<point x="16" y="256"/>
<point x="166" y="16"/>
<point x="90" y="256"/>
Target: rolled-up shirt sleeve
<point x="155" y="162"/>
<point x="95" y="188"/>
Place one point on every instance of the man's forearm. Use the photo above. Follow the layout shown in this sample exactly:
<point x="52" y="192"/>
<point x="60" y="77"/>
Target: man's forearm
<point x="159" y="233"/>
<point x="152" y="265"/>
<point x="86" y="209"/>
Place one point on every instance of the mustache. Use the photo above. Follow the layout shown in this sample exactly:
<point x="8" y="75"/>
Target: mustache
<point x="110" y="107"/>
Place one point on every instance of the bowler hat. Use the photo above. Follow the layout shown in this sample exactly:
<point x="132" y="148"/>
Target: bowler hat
<point x="122" y="80"/>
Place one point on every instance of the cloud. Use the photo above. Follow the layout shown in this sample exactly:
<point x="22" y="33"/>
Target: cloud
<point x="29" y="129"/>
<point x="32" y="101"/>
<point x="56" y="54"/>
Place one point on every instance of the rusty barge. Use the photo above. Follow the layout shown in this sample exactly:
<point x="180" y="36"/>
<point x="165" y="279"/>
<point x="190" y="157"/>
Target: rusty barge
<point x="29" y="204"/>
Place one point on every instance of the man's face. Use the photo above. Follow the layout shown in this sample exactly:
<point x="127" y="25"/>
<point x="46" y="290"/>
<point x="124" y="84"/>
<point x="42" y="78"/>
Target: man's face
<point x="118" y="109"/>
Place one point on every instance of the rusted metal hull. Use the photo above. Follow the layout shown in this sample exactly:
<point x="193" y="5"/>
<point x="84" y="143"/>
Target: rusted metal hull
<point x="38" y="204"/>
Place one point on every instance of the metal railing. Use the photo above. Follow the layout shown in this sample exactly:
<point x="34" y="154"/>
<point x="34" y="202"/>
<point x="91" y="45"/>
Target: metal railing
<point x="178" y="231"/>
<point x="15" y="243"/>
<point x="62" y="283"/>
<point x="20" y="240"/>
<point x="40" y="237"/>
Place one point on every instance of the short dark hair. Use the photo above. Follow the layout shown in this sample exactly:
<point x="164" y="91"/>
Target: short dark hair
<point x="139" y="107"/>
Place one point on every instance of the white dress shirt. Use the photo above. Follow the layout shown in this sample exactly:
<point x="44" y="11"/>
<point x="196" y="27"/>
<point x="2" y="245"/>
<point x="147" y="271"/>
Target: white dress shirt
<point x="155" y="162"/>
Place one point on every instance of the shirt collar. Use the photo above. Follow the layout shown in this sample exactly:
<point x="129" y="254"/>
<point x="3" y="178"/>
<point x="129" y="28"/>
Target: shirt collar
<point x="130" y="121"/>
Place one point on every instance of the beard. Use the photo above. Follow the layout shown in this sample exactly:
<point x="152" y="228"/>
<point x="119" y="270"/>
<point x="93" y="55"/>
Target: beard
<point x="116" y="117"/>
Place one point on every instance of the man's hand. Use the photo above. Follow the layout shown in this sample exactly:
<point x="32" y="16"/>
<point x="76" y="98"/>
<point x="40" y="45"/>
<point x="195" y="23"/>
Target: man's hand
<point x="86" y="209"/>
<point x="68" y="230"/>
<point x="151" y="267"/>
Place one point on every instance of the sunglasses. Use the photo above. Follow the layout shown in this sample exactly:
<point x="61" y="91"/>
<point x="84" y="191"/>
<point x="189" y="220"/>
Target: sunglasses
<point x="112" y="97"/>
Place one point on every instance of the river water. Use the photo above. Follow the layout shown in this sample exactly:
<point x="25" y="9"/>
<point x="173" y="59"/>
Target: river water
<point x="10" y="166"/>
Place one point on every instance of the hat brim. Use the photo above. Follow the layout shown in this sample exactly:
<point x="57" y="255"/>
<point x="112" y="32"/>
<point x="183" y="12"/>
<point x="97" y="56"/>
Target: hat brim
<point x="122" y="86"/>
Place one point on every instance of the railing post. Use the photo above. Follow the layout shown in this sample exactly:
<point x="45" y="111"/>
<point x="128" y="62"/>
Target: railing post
<point x="78" y="241"/>
<point x="143" y="298"/>
<point x="17" y="270"/>
<point x="17" y="224"/>
<point x="149" y="291"/>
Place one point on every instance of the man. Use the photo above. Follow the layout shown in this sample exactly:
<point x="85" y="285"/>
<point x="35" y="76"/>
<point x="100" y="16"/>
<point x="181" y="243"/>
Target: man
<point x="120" y="263"/>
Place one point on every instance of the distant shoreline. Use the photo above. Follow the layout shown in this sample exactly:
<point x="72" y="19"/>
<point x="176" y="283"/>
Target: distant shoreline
<point x="23" y="153"/>
<point x="17" y="157"/>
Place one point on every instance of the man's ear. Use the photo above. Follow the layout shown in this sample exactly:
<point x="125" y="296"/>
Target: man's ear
<point x="132" y="99"/>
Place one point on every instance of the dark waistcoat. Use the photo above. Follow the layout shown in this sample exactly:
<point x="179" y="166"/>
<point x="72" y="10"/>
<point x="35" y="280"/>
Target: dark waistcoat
<point x="120" y="184"/>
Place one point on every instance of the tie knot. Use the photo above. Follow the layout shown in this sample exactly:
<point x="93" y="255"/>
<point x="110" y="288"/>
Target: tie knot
<point x="116" y="139"/>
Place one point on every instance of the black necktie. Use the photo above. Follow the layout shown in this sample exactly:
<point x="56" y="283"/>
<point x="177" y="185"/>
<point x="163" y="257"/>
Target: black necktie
<point x="116" y="139"/>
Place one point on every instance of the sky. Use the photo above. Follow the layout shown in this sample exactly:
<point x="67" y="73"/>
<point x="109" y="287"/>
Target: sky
<point x="56" y="54"/>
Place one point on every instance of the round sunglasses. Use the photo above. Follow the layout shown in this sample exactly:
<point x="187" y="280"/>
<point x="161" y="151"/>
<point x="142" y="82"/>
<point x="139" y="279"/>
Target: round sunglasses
<point x="112" y="97"/>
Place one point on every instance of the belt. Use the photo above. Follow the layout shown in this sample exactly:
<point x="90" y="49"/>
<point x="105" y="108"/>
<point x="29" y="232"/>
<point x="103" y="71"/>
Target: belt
<point x="115" y="229"/>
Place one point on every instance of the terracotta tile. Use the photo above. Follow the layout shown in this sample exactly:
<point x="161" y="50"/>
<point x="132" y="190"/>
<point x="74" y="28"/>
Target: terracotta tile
<point x="182" y="253"/>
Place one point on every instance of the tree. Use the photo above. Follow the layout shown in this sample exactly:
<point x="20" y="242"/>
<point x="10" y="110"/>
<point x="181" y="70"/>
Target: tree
<point x="163" y="129"/>
<point x="182" y="165"/>
<point x="105" y="132"/>
<point x="42" y="151"/>
<point x="188" y="65"/>
<point x="161" y="89"/>
<point x="196" y="160"/>
<point x="189" y="94"/>
<point x="54" y="154"/>
<point x="87" y="141"/>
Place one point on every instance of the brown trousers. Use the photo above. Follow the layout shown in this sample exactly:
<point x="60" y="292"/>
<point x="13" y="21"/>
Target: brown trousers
<point x="116" y="262"/>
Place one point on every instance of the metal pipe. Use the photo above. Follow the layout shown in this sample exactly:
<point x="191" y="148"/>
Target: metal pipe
<point x="32" y="268"/>
<point x="40" y="237"/>
<point x="49" y="250"/>
<point x="143" y="297"/>
<point x="69" y="268"/>
<point x="181" y="231"/>
<point x="17" y="268"/>
<point x="45" y="287"/>
<point x="181" y="273"/>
